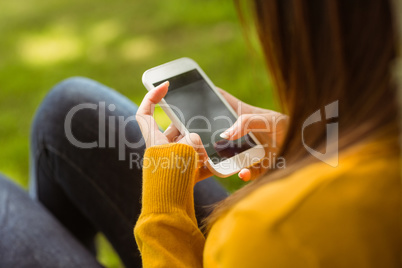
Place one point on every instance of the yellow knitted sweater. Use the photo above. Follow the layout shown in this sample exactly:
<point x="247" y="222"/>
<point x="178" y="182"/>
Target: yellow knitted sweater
<point x="317" y="217"/>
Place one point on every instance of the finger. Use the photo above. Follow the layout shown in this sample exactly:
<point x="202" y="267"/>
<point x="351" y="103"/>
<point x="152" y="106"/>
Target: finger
<point x="150" y="130"/>
<point x="237" y="105"/>
<point x="147" y="123"/>
<point x="178" y="138"/>
<point x="152" y="98"/>
<point x="233" y="101"/>
<point x="195" y="141"/>
<point x="247" y="123"/>
<point x="171" y="133"/>
<point x="245" y="174"/>
<point x="258" y="169"/>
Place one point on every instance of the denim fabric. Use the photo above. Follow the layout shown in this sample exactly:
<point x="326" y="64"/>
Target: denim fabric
<point x="31" y="237"/>
<point x="88" y="190"/>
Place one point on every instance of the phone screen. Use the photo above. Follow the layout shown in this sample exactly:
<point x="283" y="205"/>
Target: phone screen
<point x="201" y="111"/>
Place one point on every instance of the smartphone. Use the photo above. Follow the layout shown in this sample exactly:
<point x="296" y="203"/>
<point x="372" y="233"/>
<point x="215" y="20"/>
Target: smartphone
<point x="195" y="105"/>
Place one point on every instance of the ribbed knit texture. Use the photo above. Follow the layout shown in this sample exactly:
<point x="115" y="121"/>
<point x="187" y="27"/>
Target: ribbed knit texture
<point x="168" y="181"/>
<point x="167" y="224"/>
<point x="319" y="216"/>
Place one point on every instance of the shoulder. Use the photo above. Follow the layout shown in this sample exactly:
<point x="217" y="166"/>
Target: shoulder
<point x="357" y="183"/>
<point x="320" y="212"/>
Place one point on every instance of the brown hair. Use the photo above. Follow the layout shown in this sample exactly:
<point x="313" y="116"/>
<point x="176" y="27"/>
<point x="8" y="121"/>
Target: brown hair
<point x="318" y="52"/>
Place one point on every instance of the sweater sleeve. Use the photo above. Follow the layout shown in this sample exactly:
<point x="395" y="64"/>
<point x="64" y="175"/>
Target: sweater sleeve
<point x="166" y="232"/>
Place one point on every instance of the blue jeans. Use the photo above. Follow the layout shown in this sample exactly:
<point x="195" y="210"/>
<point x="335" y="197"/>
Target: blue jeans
<point x="86" y="177"/>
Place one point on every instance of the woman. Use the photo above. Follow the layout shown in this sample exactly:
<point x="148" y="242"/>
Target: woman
<point x="324" y="56"/>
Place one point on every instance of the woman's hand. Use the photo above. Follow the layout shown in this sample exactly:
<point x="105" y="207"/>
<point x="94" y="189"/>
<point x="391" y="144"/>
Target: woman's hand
<point x="269" y="127"/>
<point x="153" y="136"/>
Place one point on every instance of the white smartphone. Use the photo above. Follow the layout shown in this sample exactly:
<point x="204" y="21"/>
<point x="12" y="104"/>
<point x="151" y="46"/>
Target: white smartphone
<point x="195" y="105"/>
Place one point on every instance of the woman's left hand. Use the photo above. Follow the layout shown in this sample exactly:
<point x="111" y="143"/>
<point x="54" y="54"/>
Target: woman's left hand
<point x="153" y="136"/>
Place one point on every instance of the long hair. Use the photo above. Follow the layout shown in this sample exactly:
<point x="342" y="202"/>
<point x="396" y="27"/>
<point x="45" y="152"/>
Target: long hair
<point x="319" y="52"/>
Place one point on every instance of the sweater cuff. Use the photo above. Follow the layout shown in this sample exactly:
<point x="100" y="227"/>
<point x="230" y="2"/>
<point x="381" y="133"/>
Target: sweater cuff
<point x="168" y="177"/>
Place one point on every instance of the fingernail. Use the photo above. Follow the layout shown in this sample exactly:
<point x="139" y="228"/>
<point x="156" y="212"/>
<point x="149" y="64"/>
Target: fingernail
<point x="241" y="175"/>
<point x="163" y="84"/>
<point x="224" y="135"/>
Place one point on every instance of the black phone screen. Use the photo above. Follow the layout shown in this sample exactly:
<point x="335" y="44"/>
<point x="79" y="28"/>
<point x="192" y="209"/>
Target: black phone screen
<point x="201" y="111"/>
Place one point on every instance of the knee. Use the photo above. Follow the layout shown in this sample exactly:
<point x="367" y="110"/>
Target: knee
<point x="82" y="103"/>
<point x="74" y="89"/>
<point x="7" y="189"/>
<point x="66" y="95"/>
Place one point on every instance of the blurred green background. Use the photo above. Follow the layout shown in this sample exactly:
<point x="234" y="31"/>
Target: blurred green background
<point x="114" y="42"/>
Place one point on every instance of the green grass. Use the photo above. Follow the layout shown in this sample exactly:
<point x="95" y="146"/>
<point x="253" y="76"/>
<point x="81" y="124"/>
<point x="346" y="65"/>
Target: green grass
<point x="114" y="42"/>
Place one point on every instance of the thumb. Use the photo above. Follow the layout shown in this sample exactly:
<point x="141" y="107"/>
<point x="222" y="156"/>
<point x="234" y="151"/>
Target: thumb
<point x="253" y="172"/>
<point x="247" y="123"/>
